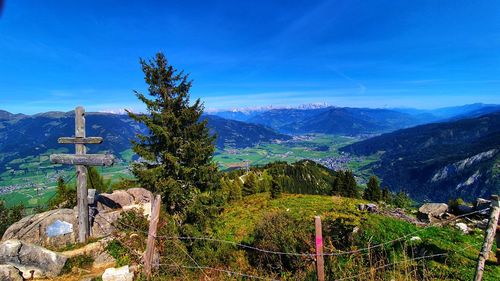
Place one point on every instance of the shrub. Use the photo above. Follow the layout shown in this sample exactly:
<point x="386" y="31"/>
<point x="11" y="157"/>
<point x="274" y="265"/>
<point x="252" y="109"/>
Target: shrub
<point x="280" y="232"/>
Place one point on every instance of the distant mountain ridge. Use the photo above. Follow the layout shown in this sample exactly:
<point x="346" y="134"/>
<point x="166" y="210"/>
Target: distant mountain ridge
<point x="441" y="160"/>
<point x="335" y="120"/>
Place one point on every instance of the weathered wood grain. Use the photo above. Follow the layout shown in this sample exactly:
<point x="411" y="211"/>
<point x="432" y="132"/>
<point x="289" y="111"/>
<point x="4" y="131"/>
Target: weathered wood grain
<point x="488" y="237"/>
<point x="87" y="140"/>
<point x="84" y="159"/>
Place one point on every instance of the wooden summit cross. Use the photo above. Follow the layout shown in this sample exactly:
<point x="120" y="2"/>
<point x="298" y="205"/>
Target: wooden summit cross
<point x="81" y="160"/>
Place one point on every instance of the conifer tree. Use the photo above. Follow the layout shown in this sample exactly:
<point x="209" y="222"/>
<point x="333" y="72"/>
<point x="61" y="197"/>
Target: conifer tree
<point x="337" y="183"/>
<point x="176" y="154"/>
<point x="386" y="195"/>
<point x="96" y="181"/>
<point x="373" y="191"/>
<point x="275" y="189"/>
<point x="349" y="185"/>
<point x="65" y="197"/>
<point x="250" y="185"/>
<point x="235" y="191"/>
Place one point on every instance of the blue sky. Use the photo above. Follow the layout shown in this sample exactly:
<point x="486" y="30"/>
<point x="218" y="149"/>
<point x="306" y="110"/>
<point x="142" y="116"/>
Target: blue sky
<point x="55" y="55"/>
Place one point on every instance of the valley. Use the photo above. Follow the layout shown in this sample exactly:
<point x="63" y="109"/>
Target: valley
<point x="405" y="159"/>
<point x="32" y="180"/>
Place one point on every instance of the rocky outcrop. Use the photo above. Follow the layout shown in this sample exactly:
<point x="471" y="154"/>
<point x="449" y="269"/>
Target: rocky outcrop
<point x="51" y="228"/>
<point x="459" y="166"/>
<point x="31" y="260"/>
<point x="430" y="211"/>
<point x="59" y="227"/>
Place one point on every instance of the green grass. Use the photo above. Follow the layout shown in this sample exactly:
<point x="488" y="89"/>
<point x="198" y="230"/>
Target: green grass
<point x="237" y="222"/>
<point x="291" y="151"/>
<point x="32" y="172"/>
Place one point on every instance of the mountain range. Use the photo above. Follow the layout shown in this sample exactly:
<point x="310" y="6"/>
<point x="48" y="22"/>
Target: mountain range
<point x="351" y="121"/>
<point x="23" y="135"/>
<point x="439" y="161"/>
<point x="431" y="154"/>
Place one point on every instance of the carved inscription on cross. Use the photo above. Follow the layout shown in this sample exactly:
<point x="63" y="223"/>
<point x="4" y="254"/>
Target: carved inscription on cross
<point x="81" y="160"/>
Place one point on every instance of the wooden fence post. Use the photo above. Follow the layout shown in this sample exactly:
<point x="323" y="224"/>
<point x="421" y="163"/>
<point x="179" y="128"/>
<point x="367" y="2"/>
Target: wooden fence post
<point x="320" y="263"/>
<point x="498" y="245"/>
<point x="150" y="246"/>
<point x="488" y="237"/>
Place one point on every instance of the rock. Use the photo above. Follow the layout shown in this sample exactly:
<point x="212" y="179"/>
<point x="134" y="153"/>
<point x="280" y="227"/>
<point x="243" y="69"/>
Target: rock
<point x="370" y="207"/>
<point x="431" y="210"/>
<point x="140" y="195"/>
<point x="92" y="249"/>
<point x="482" y="224"/>
<point x="52" y="228"/>
<point x="104" y="260"/>
<point x="30" y="259"/>
<point x="103" y="223"/>
<point x="59" y="227"/>
<point x="123" y="198"/>
<point x="118" y="274"/>
<point x="462" y="227"/>
<point x="9" y="273"/>
<point x="116" y="200"/>
<point x="415" y="238"/>
<point x="144" y="208"/>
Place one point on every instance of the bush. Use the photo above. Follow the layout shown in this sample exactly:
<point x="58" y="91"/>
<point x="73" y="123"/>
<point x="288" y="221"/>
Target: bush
<point x="83" y="262"/>
<point x="280" y="232"/>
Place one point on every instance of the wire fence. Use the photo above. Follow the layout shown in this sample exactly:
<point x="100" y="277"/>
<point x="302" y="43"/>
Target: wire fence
<point x="337" y="253"/>
<point x="232" y="273"/>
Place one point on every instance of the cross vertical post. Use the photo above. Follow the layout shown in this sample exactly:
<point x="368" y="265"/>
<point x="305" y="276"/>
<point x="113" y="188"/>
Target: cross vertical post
<point x="81" y="178"/>
<point x="81" y="160"/>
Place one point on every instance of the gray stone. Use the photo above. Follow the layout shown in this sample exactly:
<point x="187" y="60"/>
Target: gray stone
<point x="432" y="210"/>
<point x="370" y="207"/>
<point x="104" y="259"/>
<point x="9" y="273"/>
<point x="103" y="223"/>
<point x="462" y="227"/>
<point x="31" y="259"/>
<point x="140" y="195"/>
<point x="118" y="274"/>
<point x="59" y="227"/>
<point x="116" y="200"/>
<point x="41" y="229"/>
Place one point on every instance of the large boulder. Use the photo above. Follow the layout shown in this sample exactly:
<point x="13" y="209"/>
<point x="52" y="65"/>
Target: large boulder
<point x="51" y="228"/>
<point x="10" y="273"/>
<point x="59" y="227"/>
<point x="429" y="211"/>
<point x="31" y="260"/>
<point x="123" y="198"/>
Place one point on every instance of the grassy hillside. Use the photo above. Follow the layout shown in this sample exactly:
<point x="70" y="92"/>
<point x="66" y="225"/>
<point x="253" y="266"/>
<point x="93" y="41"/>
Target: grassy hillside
<point x="239" y="220"/>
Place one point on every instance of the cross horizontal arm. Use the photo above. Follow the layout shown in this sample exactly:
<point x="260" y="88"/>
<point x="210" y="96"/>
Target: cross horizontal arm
<point x="88" y="140"/>
<point x="84" y="159"/>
